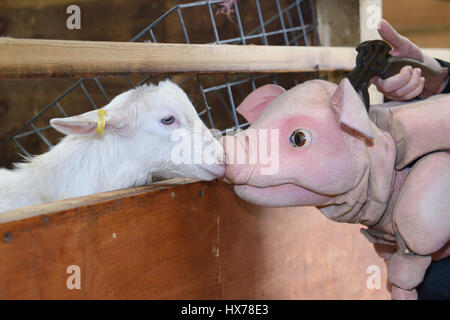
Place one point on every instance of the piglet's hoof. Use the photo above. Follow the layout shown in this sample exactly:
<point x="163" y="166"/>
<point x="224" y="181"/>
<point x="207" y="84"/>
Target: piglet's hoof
<point x="402" y="294"/>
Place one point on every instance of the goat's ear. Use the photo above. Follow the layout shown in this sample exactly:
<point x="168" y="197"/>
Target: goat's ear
<point x="258" y="100"/>
<point x="86" y="123"/>
<point x="350" y="108"/>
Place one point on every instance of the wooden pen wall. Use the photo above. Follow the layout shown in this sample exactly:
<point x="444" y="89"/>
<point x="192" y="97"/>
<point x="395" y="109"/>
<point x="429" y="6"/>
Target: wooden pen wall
<point x="192" y="241"/>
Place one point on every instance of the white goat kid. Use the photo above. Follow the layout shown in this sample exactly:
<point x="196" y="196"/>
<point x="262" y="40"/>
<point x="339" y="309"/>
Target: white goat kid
<point x="137" y="144"/>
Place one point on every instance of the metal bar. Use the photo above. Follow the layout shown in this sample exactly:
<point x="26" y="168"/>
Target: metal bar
<point x="288" y="15"/>
<point x="213" y="22"/>
<point x="47" y="107"/>
<point x="270" y="33"/>
<point x="223" y="86"/>
<point x="61" y="109"/>
<point x="88" y="96"/>
<point x="305" y="37"/>
<point x="180" y="16"/>
<point x="238" y="18"/>
<point x="49" y="145"/>
<point x="296" y="38"/>
<point x="102" y="89"/>
<point x="261" y="23"/>
<point x="198" y="3"/>
<point x="295" y="79"/>
<point x="233" y="107"/>
<point x="208" y="109"/>
<point x="275" y="78"/>
<point x="280" y="13"/>
<point x="140" y="83"/>
<point x="313" y="13"/>
<point x="156" y="22"/>
<point x="219" y="94"/>
<point x="25" y="134"/>
<point x="270" y="20"/>
<point x="238" y="127"/>
<point x="226" y="106"/>
<point x="152" y="35"/>
<point x="252" y="82"/>
<point x="129" y="82"/>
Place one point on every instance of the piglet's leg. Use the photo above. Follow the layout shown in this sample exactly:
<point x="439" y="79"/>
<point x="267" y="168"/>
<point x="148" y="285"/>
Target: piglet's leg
<point x="401" y="294"/>
<point x="406" y="271"/>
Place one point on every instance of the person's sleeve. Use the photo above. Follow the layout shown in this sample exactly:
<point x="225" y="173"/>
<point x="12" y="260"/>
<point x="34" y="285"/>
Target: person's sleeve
<point x="445" y="64"/>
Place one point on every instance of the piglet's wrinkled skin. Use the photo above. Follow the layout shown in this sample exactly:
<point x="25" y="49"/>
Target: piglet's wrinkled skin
<point x="389" y="170"/>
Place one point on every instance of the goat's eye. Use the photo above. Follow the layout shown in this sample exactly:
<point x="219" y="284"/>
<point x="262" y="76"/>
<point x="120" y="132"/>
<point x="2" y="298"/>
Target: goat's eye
<point x="168" y="120"/>
<point x="300" y="138"/>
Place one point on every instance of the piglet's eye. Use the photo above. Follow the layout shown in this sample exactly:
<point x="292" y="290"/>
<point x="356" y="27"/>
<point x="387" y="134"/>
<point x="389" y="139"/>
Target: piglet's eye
<point x="168" y="120"/>
<point x="300" y="138"/>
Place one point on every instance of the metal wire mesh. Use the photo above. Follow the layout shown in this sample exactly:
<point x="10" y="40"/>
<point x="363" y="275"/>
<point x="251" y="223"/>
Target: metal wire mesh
<point x="275" y="22"/>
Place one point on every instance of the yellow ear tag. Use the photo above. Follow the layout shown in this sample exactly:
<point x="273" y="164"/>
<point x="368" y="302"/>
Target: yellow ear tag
<point x="101" y="116"/>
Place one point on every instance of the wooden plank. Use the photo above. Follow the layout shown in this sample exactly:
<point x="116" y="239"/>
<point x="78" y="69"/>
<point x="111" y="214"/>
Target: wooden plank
<point x="293" y="253"/>
<point x="192" y="241"/>
<point x="21" y="58"/>
<point x="73" y="203"/>
<point x="157" y="245"/>
<point x="25" y="58"/>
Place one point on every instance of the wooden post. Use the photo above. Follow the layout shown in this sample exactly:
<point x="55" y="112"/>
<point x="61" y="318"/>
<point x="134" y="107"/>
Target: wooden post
<point x="347" y="23"/>
<point x="338" y="22"/>
<point x="369" y="12"/>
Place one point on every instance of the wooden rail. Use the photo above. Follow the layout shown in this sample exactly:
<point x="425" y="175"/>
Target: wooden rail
<point x="26" y="58"/>
<point x="183" y="241"/>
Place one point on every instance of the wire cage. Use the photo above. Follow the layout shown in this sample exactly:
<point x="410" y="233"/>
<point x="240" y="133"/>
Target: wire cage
<point x="268" y="22"/>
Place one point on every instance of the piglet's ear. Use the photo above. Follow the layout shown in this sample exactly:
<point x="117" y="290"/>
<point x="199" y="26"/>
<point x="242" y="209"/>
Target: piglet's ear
<point x="86" y="123"/>
<point x="258" y="100"/>
<point x="350" y="108"/>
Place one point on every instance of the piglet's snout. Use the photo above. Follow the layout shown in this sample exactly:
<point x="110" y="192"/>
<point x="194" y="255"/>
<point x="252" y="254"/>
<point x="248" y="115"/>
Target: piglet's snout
<point x="213" y="156"/>
<point x="236" y="158"/>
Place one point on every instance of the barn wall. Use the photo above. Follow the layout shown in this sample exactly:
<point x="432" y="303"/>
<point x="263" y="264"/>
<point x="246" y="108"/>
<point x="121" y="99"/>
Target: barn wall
<point x="425" y="22"/>
<point x="103" y="20"/>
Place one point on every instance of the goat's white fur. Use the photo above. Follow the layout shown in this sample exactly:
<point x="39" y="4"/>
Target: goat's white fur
<point x="134" y="146"/>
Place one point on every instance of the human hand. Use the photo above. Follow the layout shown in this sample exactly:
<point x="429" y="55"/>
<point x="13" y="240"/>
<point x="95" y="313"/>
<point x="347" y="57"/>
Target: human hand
<point x="408" y="83"/>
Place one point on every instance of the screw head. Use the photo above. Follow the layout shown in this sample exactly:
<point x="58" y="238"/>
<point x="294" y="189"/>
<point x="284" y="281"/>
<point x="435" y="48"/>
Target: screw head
<point x="7" y="237"/>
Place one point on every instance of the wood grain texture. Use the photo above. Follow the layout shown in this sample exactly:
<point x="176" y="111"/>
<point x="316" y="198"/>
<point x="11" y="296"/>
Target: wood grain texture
<point x="191" y="241"/>
<point x="293" y="253"/>
<point x="28" y="58"/>
<point x="148" y="245"/>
